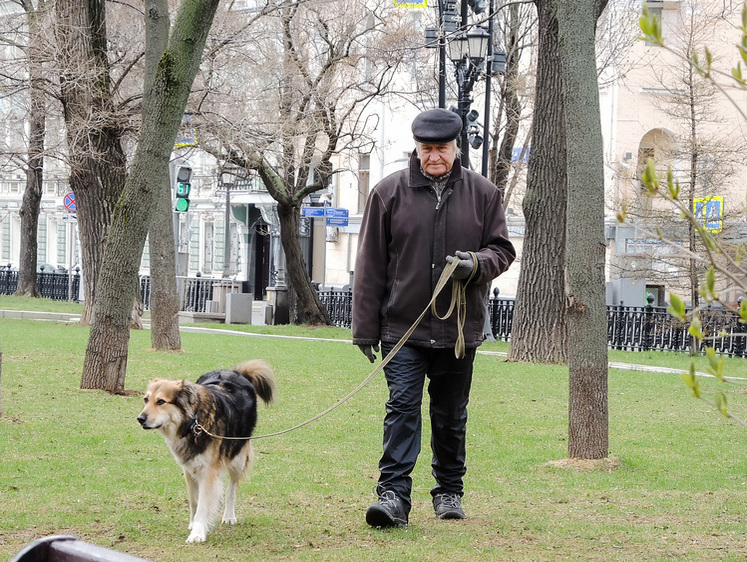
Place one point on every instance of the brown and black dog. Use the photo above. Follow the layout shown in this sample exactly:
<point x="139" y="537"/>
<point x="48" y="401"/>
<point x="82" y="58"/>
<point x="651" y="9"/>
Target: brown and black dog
<point x="195" y="419"/>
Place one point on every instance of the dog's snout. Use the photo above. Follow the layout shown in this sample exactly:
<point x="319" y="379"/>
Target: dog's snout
<point x="142" y="418"/>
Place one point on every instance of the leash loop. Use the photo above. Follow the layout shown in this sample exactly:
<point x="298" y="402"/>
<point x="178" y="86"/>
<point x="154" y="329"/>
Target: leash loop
<point x="458" y="292"/>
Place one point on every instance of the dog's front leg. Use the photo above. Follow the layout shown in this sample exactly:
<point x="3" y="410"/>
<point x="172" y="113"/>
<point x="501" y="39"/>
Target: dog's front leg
<point x="236" y="470"/>
<point x="192" y="490"/>
<point x="208" y="500"/>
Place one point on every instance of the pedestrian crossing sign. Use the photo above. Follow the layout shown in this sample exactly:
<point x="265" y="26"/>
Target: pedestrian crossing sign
<point x="709" y="211"/>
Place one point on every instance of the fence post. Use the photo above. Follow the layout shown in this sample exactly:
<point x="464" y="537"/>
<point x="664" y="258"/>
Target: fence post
<point x="7" y="279"/>
<point x="648" y="323"/>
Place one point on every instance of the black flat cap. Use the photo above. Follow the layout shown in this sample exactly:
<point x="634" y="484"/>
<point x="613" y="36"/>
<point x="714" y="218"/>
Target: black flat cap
<point x="436" y="126"/>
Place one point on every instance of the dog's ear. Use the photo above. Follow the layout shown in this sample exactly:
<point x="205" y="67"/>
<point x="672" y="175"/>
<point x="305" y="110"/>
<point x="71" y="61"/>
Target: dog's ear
<point x="186" y="396"/>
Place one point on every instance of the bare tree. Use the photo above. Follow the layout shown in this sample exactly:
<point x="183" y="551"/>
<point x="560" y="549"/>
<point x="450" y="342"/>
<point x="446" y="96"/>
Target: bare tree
<point x="163" y="106"/>
<point x="585" y="249"/>
<point x="30" y="205"/>
<point x="164" y="298"/>
<point x="539" y="328"/>
<point x="94" y="134"/>
<point x="322" y="64"/>
<point x="516" y="37"/>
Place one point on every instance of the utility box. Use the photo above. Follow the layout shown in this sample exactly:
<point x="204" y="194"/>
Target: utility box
<point x="626" y="292"/>
<point x="223" y="288"/>
<point x="239" y="308"/>
<point x="261" y="313"/>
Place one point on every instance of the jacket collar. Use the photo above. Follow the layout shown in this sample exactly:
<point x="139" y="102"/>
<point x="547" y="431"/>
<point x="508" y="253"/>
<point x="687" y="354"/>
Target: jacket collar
<point x="417" y="179"/>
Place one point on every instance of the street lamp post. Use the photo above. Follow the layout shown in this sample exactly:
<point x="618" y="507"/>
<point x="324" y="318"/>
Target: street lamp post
<point x="471" y="51"/>
<point x="468" y="52"/>
<point x="225" y="176"/>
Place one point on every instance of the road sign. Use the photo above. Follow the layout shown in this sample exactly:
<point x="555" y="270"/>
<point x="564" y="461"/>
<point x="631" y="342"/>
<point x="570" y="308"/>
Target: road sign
<point x="312" y="211"/>
<point x="709" y="211"/>
<point x="70" y="203"/>
<point x="337" y="221"/>
<point x="334" y="216"/>
<point x="338" y="213"/>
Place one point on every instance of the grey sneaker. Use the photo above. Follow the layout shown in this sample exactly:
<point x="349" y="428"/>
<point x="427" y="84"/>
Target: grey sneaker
<point x="387" y="512"/>
<point x="448" y="506"/>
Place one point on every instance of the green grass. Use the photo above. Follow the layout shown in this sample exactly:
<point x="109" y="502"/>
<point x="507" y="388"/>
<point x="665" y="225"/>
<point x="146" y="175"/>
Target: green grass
<point x="76" y="462"/>
<point x="10" y="302"/>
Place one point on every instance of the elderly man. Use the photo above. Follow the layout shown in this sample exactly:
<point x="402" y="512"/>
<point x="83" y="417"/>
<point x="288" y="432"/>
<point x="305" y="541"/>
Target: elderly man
<point x="415" y="222"/>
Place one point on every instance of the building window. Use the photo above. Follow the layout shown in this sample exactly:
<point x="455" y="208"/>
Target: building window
<point x="194" y="249"/>
<point x="220" y="242"/>
<point x="5" y="238"/>
<point x="145" y="258"/>
<point x="364" y="179"/>
<point x="41" y="242"/>
<point x="208" y="248"/>
<point x="61" y="243"/>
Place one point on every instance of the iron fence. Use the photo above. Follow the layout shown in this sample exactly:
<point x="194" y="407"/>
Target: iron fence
<point x="196" y="294"/>
<point x="628" y="328"/>
<point x="55" y="286"/>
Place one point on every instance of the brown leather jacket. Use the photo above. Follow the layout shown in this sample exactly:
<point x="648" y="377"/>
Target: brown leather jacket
<point x="406" y="234"/>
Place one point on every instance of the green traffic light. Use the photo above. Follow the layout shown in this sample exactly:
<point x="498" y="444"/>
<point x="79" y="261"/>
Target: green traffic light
<point x="182" y="205"/>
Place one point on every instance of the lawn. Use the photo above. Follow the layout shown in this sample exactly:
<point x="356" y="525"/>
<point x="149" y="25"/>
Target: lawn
<point x="76" y="462"/>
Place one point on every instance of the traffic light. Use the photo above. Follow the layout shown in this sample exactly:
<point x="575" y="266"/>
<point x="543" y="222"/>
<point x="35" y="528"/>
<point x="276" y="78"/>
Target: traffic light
<point x="473" y="129"/>
<point x="478" y="6"/>
<point x="183" y="185"/>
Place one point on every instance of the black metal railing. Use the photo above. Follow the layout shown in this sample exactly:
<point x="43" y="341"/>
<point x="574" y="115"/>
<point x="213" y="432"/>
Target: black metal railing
<point x="51" y="285"/>
<point x="628" y="328"/>
<point x="196" y="294"/>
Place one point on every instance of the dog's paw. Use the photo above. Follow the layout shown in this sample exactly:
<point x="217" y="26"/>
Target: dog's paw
<point x="195" y="536"/>
<point x="229" y="520"/>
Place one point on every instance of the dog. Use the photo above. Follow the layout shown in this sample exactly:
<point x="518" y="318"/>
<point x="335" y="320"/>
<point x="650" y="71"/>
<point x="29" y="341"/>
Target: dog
<point x="196" y="420"/>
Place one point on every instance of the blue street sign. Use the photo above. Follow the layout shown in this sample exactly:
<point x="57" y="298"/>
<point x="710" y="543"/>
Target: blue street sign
<point x="312" y="211"/>
<point x="339" y="213"/>
<point x="337" y="221"/>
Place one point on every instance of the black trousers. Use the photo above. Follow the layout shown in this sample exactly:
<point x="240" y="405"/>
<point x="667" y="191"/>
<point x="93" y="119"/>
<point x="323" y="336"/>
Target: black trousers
<point x="449" y="384"/>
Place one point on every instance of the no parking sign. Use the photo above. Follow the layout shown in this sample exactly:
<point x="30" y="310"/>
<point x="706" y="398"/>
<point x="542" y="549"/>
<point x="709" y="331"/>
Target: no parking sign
<point x="70" y="203"/>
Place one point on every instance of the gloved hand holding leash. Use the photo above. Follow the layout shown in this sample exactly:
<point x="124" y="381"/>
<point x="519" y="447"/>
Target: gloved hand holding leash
<point x="465" y="269"/>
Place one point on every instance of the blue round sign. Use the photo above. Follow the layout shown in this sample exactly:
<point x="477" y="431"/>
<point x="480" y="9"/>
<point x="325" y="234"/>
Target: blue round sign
<point x="69" y="202"/>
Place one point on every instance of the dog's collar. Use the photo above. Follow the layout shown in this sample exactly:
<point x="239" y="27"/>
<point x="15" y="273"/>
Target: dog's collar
<point x="196" y="429"/>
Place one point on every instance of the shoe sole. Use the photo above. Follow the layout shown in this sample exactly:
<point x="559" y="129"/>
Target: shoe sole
<point x="379" y="517"/>
<point x="451" y="515"/>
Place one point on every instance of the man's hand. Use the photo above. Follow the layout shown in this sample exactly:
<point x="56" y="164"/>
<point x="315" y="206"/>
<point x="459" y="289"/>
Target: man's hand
<point x="465" y="267"/>
<point x="368" y="351"/>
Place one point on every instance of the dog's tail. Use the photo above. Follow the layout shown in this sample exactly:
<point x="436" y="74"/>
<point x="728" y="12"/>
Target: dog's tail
<point x="261" y="376"/>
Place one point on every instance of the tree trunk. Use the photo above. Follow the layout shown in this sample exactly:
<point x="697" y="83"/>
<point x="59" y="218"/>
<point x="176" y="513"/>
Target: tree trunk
<point x="308" y="308"/>
<point x="106" y="355"/>
<point x="30" y="205"/>
<point x="97" y="161"/>
<point x="510" y="103"/>
<point x="164" y="297"/>
<point x="539" y="327"/>
<point x="585" y="244"/>
<point x="1" y="382"/>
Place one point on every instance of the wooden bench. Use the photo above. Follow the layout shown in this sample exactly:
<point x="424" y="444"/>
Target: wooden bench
<point x="66" y="548"/>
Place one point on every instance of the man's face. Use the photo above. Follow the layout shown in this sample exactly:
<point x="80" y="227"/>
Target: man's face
<point x="437" y="159"/>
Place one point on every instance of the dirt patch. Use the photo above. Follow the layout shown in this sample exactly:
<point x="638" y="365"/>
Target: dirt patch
<point x="606" y="464"/>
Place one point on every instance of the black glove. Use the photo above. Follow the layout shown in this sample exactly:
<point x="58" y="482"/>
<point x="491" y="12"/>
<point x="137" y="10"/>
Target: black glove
<point x="368" y="351"/>
<point x="465" y="267"/>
